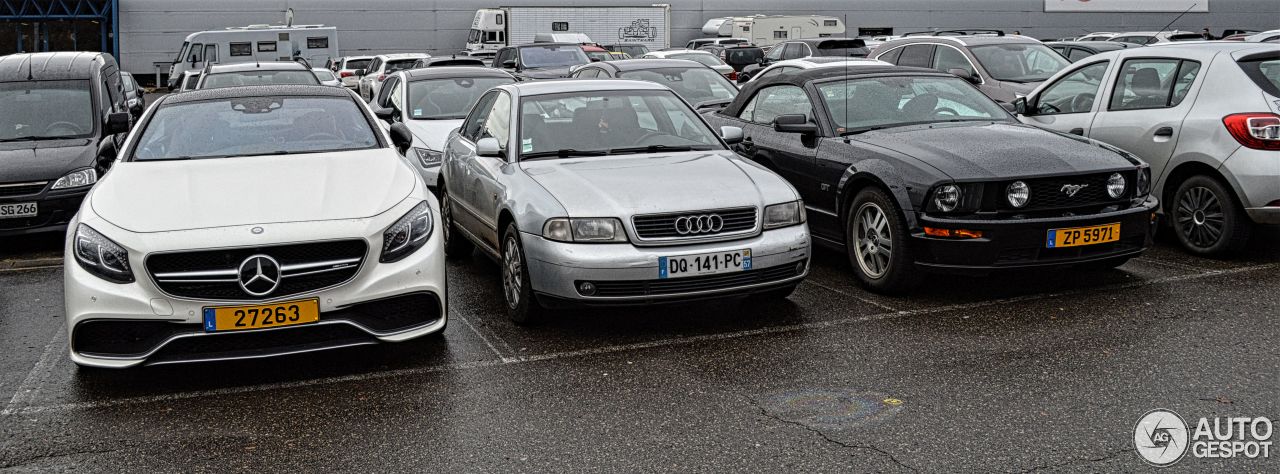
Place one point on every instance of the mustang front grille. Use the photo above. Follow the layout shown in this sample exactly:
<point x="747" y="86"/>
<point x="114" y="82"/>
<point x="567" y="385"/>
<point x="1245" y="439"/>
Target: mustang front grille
<point x="1056" y="192"/>
<point x="256" y="273"/>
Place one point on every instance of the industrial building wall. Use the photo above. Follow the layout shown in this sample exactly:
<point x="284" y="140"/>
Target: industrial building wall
<point x="152" y="30"/>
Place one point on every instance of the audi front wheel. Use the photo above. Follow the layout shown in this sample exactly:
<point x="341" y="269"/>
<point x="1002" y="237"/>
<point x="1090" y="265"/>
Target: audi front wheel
<point x="522" y="306"/>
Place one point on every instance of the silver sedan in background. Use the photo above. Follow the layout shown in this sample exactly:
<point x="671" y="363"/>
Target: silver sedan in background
<point x="597" y="192"/>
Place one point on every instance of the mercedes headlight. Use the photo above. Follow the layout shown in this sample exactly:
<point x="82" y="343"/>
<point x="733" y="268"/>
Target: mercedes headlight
<point x="947" y="197"/>
<point x="588" y="230"/>
<point x="1115" y="186"/>
<point x="783" y="215"/>
<point x="1018" y="194"/>
<point x="408" y="234"/>
<point x="428" y="158"/>
<point x="76" y="179"/>
<point x="101" y="256"/>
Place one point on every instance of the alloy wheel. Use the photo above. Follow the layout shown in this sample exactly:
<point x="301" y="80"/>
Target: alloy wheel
<point x="446" y="215"/>
<point x="874" y="240"/>
<point x="512" y="271"/>
<point x="1200" y="217"/>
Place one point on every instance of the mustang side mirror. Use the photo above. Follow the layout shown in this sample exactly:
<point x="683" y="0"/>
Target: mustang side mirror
<point x="1020" y="106"/>
<point x="401" y="137"/>
<point x="117" y="122"/>
<point x="488" y="146"/>
<point x="731" y="135"/>
<point x="794" y="123"/>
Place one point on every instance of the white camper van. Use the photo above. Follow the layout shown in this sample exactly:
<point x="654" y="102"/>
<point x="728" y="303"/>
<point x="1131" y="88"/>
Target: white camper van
<point x="495" y="28"/>
<point x="315" y="43"/>
<point x="768" y="30"/>
<point x="712" y="26"/>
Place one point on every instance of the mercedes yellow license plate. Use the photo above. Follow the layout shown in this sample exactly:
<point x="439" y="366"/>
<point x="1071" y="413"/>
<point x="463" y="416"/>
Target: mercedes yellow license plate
<point x="261" y="316"/>
<point x="1077" y="236"/>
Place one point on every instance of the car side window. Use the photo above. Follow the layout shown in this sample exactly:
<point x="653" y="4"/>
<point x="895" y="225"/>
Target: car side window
<point x="773" y="101"/>
<point x="891" y="57"/>
<point x="470" y="129"/>
<point x="197" y="53"/>
<point x="1150" y="83"/>
<point x="1074" y="93"/>
<point x="588" y="73"/>
<point x="793" y="51"/>
<point x="946" y="58"/>
<point x="917" y="55"/>
<point x="1077" y="54"/>
<point x="498" y="122"/>
<point x="775" y="53"/>
<point x="397" y="98"/>
<point x="384" y="94"/>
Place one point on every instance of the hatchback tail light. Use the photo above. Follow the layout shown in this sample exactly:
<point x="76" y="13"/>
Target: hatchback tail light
<point x="382" y="77"/>
<point x="733" y="76"/>
<point x="1259" y="130"/>
<point x="345" y="74"/>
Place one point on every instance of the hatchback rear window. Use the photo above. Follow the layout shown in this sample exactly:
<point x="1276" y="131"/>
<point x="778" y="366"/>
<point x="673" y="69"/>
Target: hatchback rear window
<point x="1265" y="72"/>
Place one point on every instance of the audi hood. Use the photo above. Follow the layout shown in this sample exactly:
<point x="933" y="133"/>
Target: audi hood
<point x="628" y="185"/>
<point x="162" y="196"/>
<point x="985" y="150"/>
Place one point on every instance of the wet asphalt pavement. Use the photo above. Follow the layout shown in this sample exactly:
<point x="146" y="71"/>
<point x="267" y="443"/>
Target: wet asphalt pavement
<point x="1011" y="373"/>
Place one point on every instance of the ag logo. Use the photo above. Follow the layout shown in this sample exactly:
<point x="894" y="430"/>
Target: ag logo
<point x="1160" y="438"/>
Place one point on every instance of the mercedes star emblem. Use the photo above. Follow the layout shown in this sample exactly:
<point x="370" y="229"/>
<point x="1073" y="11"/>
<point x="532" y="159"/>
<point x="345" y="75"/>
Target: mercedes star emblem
<point x="259" y="275"/>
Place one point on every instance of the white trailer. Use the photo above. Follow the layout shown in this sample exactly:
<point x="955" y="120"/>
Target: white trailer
<point x="768" y="30"/>
<point x="315" y="43"/>
<point x="494" y="28"/>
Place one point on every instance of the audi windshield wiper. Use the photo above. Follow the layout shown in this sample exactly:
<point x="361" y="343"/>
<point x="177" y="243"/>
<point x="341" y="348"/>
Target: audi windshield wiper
<point x="562" y="153"/>
<point x="652" y="149"/>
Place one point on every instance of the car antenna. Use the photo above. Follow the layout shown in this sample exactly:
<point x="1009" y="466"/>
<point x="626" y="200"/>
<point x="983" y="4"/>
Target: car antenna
<point x="844" y="120"/>
<point x="1175" y="19"/>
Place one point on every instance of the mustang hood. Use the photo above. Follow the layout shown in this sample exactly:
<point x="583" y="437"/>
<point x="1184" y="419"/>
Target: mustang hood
<point x="44" y="161"/>
<point x="432" y="133"/>
<point x="990" y="151"/>
<point x="620" y="186"/>
<point x="193" y="194"/>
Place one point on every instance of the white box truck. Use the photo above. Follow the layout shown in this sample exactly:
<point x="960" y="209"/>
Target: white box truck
<point x="315" y="43"/>
<point x="494" y="28"/>
<point x="768" y="30"/>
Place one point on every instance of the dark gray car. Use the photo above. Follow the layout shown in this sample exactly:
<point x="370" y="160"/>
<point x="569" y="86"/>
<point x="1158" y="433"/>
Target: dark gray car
<point x="1003" y="67"/>
<point x="540" y="60"/>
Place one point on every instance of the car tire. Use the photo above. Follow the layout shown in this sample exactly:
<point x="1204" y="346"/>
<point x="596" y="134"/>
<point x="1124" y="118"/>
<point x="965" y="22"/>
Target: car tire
<point x="872" y="214"/>
<point x="1206" y="218"/>
<point x="522" y="305"/>
<point x="455" y="244"/>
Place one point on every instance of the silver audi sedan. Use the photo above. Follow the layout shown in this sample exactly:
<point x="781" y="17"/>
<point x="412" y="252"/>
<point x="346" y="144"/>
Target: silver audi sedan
<point x="591" y="192"/>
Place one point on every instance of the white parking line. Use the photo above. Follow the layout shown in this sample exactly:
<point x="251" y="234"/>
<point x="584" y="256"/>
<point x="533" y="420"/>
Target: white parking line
<point x="1172" y="264"/>
<point x="856" y="297"/>
<point x="35" y="380"/>
<point x="484" y="339"/>
<point x="23" y="269"/>
<point x="622" y="347"/>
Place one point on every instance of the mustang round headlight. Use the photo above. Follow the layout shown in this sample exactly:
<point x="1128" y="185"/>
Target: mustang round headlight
<point x="407" y="234"/>
<point x="1144" y="181"/>
<point x="947" y="197"/>
<point x="1019" y="194"/>
<point x="1115" y="186"/>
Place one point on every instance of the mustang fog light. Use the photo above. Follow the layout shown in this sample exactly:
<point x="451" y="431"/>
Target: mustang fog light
<point x="947" y="197"/>
<point x="1019" y="194"/>
<point x="1115" y="186"/>
<point x="101" y="256"/>
<point x="407" y="235"/>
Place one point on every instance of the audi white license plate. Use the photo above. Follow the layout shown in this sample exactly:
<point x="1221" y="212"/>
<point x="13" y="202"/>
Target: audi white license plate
<point x="704" y="264"/>
<point x="22" y="209"/>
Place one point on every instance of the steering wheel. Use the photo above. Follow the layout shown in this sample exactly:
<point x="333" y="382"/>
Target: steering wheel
<point x="646" y="137"/>
<point x="946" y="111"/>
<point x="322" y="136"/>
<point x="1082" y="103"/>
<point x="1047" y="107"/>
<point x="67" y="125"/>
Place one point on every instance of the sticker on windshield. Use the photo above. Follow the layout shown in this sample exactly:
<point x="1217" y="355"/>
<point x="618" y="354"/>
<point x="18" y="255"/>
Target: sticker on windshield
<point x="526" y="145"/>
<point x="417" y="112"/>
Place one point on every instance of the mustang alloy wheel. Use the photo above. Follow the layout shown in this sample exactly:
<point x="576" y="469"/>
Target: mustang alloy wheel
<point x="1207" y="219"/>
<point x="876" y="241"/>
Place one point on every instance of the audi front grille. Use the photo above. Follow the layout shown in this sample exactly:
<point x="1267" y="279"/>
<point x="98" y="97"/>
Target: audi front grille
<point x="217" y="274"/>
<point x="695" y="224"/>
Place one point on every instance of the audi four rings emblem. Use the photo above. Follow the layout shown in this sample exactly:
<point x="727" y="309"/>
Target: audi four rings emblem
<point x="701" y="224"/>
<point x="259" y="275"/>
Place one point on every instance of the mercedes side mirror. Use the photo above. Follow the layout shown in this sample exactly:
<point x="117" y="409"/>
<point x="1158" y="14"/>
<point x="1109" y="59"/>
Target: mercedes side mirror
<point x="1019" y="106"/>
<point x="401" y="137"/>
<point x="117" y="122"/>
<point x="488" y="147"/>
<point x="794" y="123"/>
<point x="731" y="135"/>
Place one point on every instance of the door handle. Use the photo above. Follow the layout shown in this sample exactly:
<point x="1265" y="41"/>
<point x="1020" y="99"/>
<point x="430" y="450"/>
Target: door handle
<point x="1077" y="131"/>
<point x="1164" y="132"/>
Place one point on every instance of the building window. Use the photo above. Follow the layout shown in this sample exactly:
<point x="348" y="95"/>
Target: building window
<point x="559" y="26"/>
<point x="266" y="46"/>
<point x="317" y="43"/>
<point x="241" y="49"/>
<point x="828" y="23"/>
<point x="745" y="28"/>
<point x="779" y="35"/>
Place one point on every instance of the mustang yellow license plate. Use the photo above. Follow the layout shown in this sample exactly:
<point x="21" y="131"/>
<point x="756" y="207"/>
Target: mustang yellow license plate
<point x="1077" y="236"/>
<point x="260" y="316"/>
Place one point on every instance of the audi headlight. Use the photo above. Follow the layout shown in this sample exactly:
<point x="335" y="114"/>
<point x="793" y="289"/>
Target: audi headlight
<point x="578" y="229"/>
<point x="101" y="256"/>
<point x="1115" y="186"/>
<point x="408" y="234"/>
<point x="783" y="215"/>
<point x="76" y="179"/>
<point x="1144" y="181"/>
<point x="1018" y="194"/>
<point x="947" y="197"/>
<point x="428" y="158"/>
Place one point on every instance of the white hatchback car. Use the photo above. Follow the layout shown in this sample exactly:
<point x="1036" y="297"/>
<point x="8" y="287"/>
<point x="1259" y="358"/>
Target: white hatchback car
<point x="1205" y="115"/>
<point x="382" y="66"/>
<point x="251" y="222"/>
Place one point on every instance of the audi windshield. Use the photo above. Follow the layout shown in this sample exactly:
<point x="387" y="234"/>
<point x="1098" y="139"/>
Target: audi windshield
<point x="607" y="123"/>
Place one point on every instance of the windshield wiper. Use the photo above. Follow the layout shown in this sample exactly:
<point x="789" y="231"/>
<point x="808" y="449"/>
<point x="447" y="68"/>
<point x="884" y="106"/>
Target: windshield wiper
<point x="563" y="153"/>
<point x="33" y="138"/>
<point x="652" y="149"/>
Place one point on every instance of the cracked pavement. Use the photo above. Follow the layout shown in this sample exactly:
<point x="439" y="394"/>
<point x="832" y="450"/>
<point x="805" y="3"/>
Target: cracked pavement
<point x="1041" y="371"/>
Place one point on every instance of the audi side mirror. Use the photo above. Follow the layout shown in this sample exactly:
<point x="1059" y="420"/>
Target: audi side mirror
<point x="488" y="147"/>
<point x="731" y="135"/>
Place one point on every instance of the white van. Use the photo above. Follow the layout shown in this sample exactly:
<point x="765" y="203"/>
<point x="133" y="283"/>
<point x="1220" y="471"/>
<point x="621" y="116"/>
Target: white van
<point x="576" y="38"/>
<point x="315" y="43"/>
<point x="768" y="30"/>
